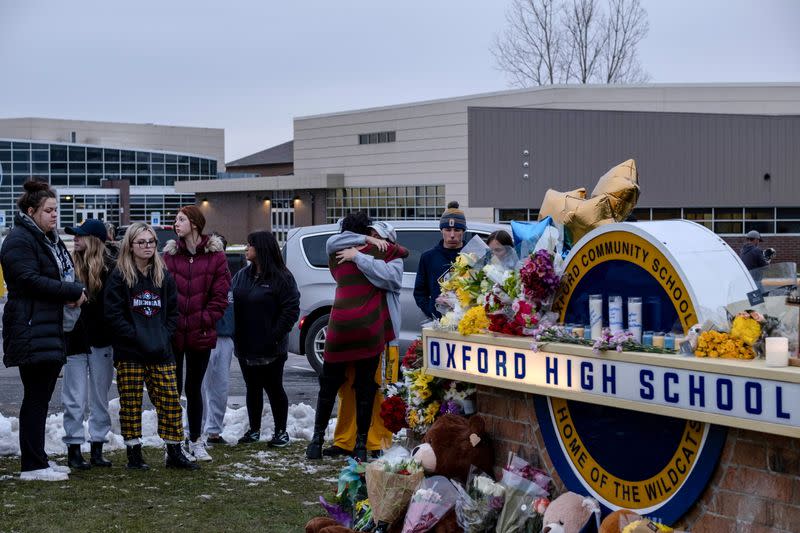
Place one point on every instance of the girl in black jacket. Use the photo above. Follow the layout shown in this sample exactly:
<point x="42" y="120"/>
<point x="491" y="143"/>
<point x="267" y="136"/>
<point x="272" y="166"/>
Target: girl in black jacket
<point x="43" y="301"/>
<point x="266" y="305"/>
<point x="141" y="305"/>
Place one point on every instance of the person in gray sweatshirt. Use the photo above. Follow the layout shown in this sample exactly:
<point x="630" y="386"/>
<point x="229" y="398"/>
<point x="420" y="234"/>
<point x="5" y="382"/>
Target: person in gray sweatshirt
<point x="389" y="277"/>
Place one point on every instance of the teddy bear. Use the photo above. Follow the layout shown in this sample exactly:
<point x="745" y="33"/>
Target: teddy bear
<point x="451" y="445"/>
<point x="571" y="513"/>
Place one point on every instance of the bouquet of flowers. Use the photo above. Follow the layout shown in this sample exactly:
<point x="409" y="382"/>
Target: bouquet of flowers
<point x="351" y="490"/>
<point x="752" y="327"/>
<point x="479" y="505"/>
<point x="538" y="277"/>
<point x="619" y="341"/>
<point x="523" y="484"/>
<point x="393" y="413"/>
<point x="391" y="481"/>
<point x="720" y="344"/>
<point x="433" y="499"/>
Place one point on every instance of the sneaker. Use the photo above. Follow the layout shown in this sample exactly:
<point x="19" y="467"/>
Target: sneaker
<point x="250" y="437"/>
<point x="43" y="474"/>
<point x="56" y="468"/>
<point x="216" y="439"/>
<point x="279" y="439"/>
<point x="198" y="450"/>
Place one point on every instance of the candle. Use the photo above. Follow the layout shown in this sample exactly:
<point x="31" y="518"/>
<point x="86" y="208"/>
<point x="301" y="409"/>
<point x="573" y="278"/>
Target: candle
<point x="669" y="341"/>
<point x="635" y="317"/>
<point x="777" y="351"/>
<point x="647" y="338"/>
<point x="596" y="315"/>
<point x="587" y="332"/>
<point x="578" y="331"/>
<point x="658" y="340"/>
<point x="615" y="313"/>
<point x="568" y="329"/>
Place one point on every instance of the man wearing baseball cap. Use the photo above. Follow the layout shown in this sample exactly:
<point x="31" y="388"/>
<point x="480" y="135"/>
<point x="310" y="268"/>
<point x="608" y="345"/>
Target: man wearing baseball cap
<point x="436" y="261"/>
<point x="752" y="256"/>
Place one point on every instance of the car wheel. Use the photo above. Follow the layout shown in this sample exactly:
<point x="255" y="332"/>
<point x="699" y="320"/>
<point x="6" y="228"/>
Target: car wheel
<point x="315" y="342"/>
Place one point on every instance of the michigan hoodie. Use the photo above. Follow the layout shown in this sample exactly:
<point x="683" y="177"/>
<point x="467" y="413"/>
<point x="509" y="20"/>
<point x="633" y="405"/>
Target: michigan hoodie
<point x="142" y="318"/>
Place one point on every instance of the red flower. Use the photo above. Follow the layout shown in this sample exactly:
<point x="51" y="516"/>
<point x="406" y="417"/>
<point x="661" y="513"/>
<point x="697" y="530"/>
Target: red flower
<point x="393" y="413"/>
<point x="413" y="356"/>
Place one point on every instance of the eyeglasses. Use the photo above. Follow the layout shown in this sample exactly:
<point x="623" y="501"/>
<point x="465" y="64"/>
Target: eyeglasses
<point x="145" y="244"/>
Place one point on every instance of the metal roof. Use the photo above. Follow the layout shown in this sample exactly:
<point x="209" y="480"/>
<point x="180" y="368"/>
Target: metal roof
<point x="282" y="153"/>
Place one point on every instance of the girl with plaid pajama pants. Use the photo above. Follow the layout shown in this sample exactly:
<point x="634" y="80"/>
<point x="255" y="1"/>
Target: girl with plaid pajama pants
<point x="141" y="304"/>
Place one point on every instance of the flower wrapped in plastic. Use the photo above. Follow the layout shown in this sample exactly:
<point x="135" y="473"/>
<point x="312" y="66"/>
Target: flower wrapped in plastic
<point x="523" y="484"/>
<point x="480" y="503"/>
<point x="391" y="481"/>
<point x="538" y="277"/>
<point x="433" y="499"/>
<point x="351" y="489"/>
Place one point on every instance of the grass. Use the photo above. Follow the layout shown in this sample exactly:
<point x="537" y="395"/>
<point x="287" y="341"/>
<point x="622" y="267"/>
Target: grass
<point x="245" y="488"/>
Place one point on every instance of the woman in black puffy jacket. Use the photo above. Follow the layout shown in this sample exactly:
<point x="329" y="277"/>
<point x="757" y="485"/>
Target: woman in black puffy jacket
<point x="266" y="305"/>
<point x="43" y="302"/>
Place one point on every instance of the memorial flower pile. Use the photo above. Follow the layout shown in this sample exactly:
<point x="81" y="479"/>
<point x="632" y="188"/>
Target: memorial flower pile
<point x="486" y="293"/>
<point x="418" y="399"/>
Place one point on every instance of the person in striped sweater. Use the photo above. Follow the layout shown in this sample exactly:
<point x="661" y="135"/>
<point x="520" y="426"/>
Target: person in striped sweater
<point x="359" y="328"/>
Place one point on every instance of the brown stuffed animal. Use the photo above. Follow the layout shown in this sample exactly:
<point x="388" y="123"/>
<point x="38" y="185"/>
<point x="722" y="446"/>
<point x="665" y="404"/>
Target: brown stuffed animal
<point x="452" y="444"/>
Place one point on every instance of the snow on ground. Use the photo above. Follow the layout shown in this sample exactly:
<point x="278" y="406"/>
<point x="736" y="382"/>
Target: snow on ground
<point x="300" y="426"/>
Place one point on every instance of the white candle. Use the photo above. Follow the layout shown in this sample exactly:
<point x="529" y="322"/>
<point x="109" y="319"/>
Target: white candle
<point x="615" y="313"/>
<point x="596" y="315"/>
<point x="777" y="351"/>
<point x="635" y="317"/>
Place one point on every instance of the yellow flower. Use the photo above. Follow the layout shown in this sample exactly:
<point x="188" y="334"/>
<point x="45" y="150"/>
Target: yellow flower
<point x="413" y="421"/>
<point x="474" y="321"/>
<point x="723" y="345"/>
<point x="464" y="297"/>
<point x="746" y="329"/>
<point x="430" y="413"/>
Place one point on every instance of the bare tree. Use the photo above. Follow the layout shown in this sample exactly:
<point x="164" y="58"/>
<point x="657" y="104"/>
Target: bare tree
<point x="562" y="41"/>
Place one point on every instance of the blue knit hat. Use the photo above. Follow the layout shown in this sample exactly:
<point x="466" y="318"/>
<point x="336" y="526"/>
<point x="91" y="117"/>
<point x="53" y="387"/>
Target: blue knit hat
<point x="453" y="217"/>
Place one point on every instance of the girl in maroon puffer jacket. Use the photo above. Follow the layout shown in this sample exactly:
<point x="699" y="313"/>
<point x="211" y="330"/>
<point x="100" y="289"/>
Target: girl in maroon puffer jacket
<point x="200" y="268"/>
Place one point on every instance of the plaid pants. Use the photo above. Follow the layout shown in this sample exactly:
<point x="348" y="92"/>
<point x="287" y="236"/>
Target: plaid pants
<point x="162" y="387"/>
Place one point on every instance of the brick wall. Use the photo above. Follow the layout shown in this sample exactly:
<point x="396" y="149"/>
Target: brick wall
<point x="755" y="487"/>
<point x="786" y="248"/>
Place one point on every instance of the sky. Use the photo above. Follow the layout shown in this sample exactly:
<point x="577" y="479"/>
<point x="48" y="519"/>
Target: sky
<point x="250" y="66"/>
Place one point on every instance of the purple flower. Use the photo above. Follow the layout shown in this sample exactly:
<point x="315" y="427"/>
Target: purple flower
<point x="534" y="346"/>
<point x="450" y="407"/>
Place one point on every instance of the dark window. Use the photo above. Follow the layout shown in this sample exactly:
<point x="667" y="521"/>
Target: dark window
<point x="172" y="169"/>
<point x="94" y="154"/>
<point x="204" y="167"/>
<point x="761" y="226"/>
<point x="58" y="168"/>
<point x="194" y="166"/>
<point x="158" y="179"/>
<point x="21" y="146"/>
<point x="785" y="226"/>
<point x="183" y="170"/>
<point x="58" y="153"/>
<point x="377" y="137"/>
<point x="111" y="156"/>
<point x="213" y="169"/>
<point x="373" y="138"/>
<point x="6" y="166"/>
<point x="171" y="158"/>
<point x="59" y="179"/>
<point x="40" y="155"/>
<point x="788" y="212"/>
<point x="22" y="168"/>
<point x="507" y="215"/>
<point x="5" y="155"/>
<point x="5" y="145"/>
<point x="157" y="168"/>
<point x="728" y="213"/>
<point x="77" y="168"/>
<point x="314" y="248"/>
<point x="127" y="156"/>
<point x="666" y="214"/>
<point x="157" y="158"/>
<point x="111" y="168"/>
<point x="142" y="157"/>
<point x="93" y="180"/>
<point x="94" y="168"/>
<point x="143" y="168"/>
<point x="39" y="146"/>
<point x="77" y="153"/>
<point x="363" y="139"/>
<point x="183" y="159"/>
<point x="41" y="168"/>
<point x="728" y="227"/>
<point x="21" y="155"/>
<point x="392" y="136"/>
<point x="759" y="213"/>
<point x="697" y="213"/>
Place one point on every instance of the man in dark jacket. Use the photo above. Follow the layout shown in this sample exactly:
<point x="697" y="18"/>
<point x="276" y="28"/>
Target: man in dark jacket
<point x="436" y="261"/>
<point x="753" y="256"/>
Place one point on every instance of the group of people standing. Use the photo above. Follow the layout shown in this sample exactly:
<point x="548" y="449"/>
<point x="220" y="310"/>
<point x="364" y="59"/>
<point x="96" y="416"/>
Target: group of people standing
<point x="123" y="306"/>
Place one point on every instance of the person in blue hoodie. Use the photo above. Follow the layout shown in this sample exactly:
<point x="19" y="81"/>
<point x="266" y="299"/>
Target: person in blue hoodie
<point x="436" y="261"/>
<point x="217" y="378"/>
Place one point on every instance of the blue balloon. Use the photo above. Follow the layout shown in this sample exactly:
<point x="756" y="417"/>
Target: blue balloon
<point x="529" y="232"/>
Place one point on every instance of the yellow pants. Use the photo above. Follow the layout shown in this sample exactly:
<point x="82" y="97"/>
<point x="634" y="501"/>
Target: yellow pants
<point x="379" y="438"/>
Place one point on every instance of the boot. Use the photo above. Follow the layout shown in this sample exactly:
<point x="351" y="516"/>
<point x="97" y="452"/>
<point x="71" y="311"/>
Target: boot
<point x="360" y="449"/>
<point x="365" y="398"/>
<point x="135" y="459"/>
<point x="75" y="459"/>
<point x="176" y="459"/>
<point x="325" y="401"/>
<point x="97" y="458"/>
<point x="314" y="449"/>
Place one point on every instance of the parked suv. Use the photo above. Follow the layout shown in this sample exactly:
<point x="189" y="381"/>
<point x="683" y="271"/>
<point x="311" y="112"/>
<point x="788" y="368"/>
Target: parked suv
<point x="305" y="257"/>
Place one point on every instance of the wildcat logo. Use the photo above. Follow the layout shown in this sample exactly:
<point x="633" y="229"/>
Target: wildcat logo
<point x="146" y="303"/>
